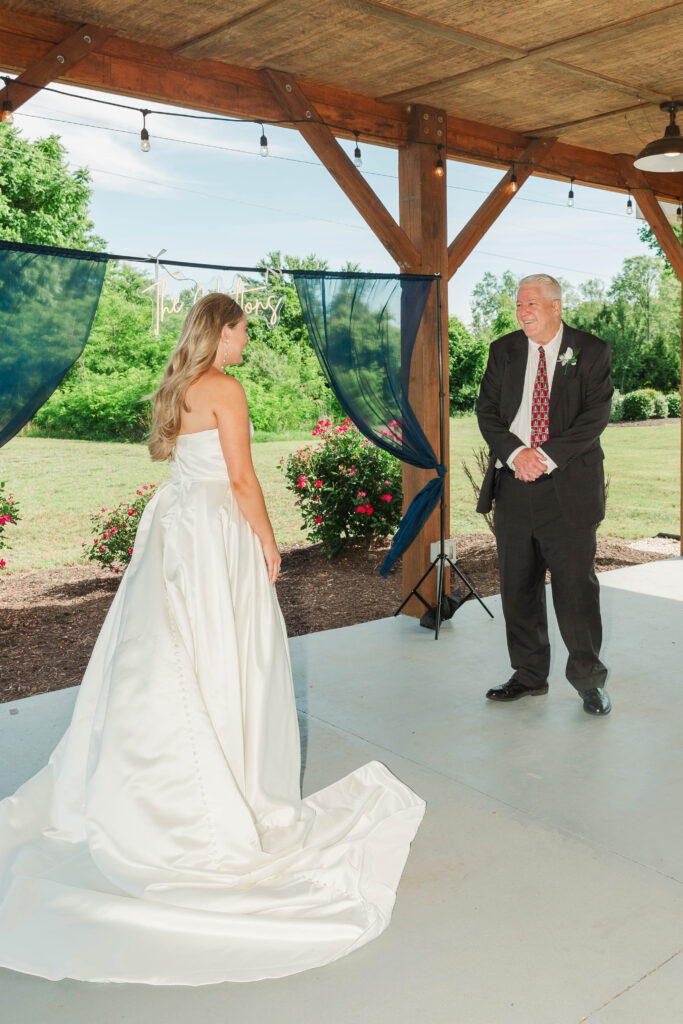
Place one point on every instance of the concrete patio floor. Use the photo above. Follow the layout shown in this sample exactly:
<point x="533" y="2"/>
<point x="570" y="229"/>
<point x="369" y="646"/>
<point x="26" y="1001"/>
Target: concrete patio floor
<point x="544" y="886"/>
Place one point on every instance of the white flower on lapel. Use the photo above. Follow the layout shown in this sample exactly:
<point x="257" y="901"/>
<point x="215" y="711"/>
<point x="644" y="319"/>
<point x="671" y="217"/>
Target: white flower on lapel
<point x="568" y="358"/>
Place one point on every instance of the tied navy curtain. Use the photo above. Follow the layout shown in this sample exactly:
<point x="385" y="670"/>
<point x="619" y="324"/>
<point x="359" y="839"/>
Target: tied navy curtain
<point x="363" y="329"/>
<point x="47" y="304"/>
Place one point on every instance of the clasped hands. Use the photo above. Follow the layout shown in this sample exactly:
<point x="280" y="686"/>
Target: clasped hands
<point x="529" y="465"/>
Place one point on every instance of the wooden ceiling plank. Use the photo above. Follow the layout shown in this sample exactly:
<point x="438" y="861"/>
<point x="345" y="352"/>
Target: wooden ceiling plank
<point x="552" y="129"/>
<point x="494" y="204"/>
<point x="628" y="88"/>
<point x="647" y="201"/>
<point x="544" y="53"/>
<point x="298" y="106"/>
<point x="51" y="65"/>
<point x="419" y="23"/>
<point x="197" y="47"/>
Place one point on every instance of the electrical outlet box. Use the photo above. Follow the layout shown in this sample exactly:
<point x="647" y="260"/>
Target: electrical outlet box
<point x="449" y="549"/>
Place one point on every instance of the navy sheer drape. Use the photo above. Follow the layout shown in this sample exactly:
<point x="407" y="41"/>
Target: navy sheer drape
<point x="363" y="328"/>
<point x="47" y="305"/>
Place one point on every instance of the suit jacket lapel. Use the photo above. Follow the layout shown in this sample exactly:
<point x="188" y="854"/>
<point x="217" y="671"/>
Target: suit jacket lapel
<point x="515" y="370"/>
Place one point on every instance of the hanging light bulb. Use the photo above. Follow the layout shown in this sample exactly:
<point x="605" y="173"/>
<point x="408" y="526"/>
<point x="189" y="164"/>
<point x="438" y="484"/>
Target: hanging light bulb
<point x="144" y="134"/>
<point x="629" y="205"/>
<point x="7" y="115"/>
<point x="439" y="169"/>
<point x="513" y="180"/>
<point x="264" y="141"/>
<point x="357" y="158"/>
<point x="679" y="213"/>
<point x="570" y="197"/>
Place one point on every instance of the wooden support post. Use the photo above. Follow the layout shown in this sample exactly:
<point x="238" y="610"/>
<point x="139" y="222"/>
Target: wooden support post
<point x="422" y="197"/>
<point x="492" y="207"/>
<point x="54" y="63"/>
<point x="663" y="232"/>
<point x="323" y="143"/>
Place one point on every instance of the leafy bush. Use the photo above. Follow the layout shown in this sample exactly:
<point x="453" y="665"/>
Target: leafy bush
<point x="661" y="405"/>
<point x="616" y="413"/>
<point x="9" y="513"/>
<point x="100" y="407"/>
<point x="345" y="486"/>
<point x="638" y="405"/>
<point x="674" y="403"/>
<point x="115" y="529"/>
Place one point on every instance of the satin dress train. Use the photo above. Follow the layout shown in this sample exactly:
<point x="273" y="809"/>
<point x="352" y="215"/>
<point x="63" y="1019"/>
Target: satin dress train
<point x="166" y="841"/>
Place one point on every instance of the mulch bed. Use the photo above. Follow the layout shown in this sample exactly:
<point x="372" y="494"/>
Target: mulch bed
<point x="49" y="620"/>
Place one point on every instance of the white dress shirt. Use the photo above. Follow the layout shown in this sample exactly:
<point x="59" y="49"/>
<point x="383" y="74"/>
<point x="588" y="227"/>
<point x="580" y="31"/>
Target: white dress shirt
<point x="521" y="424"/>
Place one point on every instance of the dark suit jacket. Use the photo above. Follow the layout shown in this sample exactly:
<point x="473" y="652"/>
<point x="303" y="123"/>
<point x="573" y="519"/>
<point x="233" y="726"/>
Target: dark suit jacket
<point x="580" y="399"/>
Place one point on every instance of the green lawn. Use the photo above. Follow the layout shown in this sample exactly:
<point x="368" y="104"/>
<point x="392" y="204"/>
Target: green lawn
<point x="60" y="482"/>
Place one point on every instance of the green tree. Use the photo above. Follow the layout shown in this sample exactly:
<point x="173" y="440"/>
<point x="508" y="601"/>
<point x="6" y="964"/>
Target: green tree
<point x="647" y="235"/>
<point x="42" y="201"/>
<point x="493" y="305"/>
<point x="466" y="364"/>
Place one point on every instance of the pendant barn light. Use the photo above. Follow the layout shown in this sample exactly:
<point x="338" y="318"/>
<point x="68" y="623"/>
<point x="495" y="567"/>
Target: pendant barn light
<point x="664" y="155"/>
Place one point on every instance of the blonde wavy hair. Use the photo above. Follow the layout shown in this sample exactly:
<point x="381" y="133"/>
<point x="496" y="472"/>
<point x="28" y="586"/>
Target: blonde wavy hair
<point x="193" y="355"/>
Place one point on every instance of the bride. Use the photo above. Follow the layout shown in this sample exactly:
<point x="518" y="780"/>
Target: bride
<point x="166" y="840"/>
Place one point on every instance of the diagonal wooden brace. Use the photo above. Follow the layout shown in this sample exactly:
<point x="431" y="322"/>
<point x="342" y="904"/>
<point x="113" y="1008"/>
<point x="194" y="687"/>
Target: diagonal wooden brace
<point x="494" y="204"/>
<point x="299" y="108"/>
<point x="54" y="63"/>
<point x="635" y="180"/>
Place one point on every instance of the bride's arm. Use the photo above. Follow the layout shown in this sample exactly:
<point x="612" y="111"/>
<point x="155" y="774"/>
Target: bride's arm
<point x="232" y="416"/>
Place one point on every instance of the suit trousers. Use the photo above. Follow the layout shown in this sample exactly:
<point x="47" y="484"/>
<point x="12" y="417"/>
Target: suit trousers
<point x="532" y="535"/>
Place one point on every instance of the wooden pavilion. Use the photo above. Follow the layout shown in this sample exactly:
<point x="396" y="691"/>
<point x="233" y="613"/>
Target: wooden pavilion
<point x="565" y="91"/>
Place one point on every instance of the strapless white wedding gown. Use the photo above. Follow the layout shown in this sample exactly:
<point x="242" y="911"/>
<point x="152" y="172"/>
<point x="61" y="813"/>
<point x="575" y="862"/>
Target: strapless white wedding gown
<point x="166" y="841"/>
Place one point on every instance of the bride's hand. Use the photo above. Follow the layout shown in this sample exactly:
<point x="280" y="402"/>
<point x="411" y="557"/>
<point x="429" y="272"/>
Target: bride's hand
<point x="273" y="559"/>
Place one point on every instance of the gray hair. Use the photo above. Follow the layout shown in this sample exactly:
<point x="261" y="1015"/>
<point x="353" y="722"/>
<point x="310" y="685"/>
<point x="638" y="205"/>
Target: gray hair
<point x="552" y="286"/>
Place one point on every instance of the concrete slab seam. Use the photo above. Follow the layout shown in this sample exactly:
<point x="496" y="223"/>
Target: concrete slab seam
<point x="633" y="985"/>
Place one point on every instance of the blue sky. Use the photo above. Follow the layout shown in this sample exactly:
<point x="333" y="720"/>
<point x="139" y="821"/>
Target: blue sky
<point x="205" y="194"/>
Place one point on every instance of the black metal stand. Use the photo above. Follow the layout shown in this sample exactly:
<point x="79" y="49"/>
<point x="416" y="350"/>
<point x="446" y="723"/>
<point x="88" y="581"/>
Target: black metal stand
<point x="442" y="559"/>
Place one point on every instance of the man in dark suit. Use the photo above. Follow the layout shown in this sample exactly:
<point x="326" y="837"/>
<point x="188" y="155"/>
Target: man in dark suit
<point x="543" y="404"/>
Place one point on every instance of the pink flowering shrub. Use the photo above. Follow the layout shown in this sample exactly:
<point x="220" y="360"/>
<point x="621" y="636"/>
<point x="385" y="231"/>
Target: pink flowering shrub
<point x="9" y="516"/>
<point x="114" y="531"/>
<point x="345" y="486"/>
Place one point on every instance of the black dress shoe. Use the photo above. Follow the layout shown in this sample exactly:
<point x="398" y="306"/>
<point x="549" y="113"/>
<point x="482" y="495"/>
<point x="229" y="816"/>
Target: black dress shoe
<point x="513" y="690"/>
<point x="596" y="701"/>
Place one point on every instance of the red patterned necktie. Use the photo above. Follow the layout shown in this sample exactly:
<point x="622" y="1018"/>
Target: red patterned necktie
<point x="540" y="404"/>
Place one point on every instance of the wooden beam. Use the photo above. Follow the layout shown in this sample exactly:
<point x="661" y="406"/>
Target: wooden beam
<point x="647" y="201"/>
<point x="552" y="129"/>
<point x="299" y="108"/>
<point x="54" y="63"/>
<point x="492" y="207"/>
<point x="422" y="199"/>
<point x="199" y="45"/>
<point x="145" y="72"/>
<point x="418" y="23"/>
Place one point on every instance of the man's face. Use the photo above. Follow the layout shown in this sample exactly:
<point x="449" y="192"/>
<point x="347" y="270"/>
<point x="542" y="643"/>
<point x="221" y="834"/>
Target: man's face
<point x="538" y="315"/>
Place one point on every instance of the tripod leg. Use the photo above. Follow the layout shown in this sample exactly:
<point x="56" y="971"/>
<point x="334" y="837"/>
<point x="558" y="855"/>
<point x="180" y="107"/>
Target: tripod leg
<point x="439" y="595"/>
<point x="414" y="591"/>
<point x="471" y="588"/>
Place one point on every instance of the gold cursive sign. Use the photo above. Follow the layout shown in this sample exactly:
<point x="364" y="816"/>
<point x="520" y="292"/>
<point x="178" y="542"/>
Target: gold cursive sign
<point x="255" y="300"/>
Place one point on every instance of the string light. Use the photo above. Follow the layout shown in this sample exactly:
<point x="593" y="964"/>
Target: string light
<point x="264" y="141"/>
<point x="144" y="134"/>
<point x="7" y="115"/>
<point x="513" y="180"/>
<point x="679" y="213"/>
<point x="570" y="197"/>
<point x="439" y="169"/>
<point x="629" y="205"/>
<point x="357" y="158"/>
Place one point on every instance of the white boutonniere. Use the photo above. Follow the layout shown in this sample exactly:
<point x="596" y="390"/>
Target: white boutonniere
<point x="569" y="357"/>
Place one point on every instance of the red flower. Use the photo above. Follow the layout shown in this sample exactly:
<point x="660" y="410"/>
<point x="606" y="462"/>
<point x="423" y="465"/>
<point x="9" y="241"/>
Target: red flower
<point x="130" y="551"/>
<point x="131" y="511"/>
<point x="369" y="509"/>
<point x="362" y="494"/>
<point x="361" y="508"/>
<point x="301" y="482"/>
<point x="385" y="497"/>
<point x="102" y="548"/>
<point x="138" y="492"/>
<point x="318" y="483"/>
<point x="318" y="519"/>
<point x="3" y="563"/>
